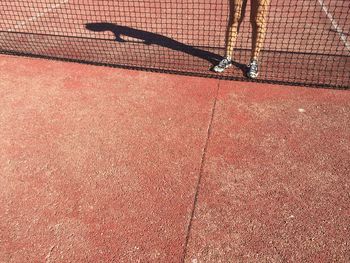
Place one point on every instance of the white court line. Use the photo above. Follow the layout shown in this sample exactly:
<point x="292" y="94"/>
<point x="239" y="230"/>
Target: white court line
<point x="22" y="24"/>
<point x="335" y="25"/>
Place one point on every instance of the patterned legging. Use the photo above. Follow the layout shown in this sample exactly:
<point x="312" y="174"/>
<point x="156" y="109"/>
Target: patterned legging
<point x="258" y="19"/>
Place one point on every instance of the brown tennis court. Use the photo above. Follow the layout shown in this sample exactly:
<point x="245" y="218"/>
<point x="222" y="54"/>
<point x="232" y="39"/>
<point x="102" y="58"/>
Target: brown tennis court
<point x="101" y="164"/>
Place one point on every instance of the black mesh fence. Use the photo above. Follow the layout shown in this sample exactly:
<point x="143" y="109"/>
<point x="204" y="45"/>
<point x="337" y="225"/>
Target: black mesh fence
<point x="307" y="41"/>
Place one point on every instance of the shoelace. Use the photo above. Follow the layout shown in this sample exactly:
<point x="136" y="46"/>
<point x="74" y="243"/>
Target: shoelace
<point x="253" y="66"/>
<point x="224" y="62"/>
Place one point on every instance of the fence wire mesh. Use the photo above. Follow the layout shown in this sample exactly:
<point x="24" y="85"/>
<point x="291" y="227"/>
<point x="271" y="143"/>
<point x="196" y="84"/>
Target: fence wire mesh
<point x="303" y="42"/>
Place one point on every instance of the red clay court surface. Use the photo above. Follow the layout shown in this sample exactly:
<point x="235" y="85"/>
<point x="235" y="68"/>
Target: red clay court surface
<point x="108" y="165"/>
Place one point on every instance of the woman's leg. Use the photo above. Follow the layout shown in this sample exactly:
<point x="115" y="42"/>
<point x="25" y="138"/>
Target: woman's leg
<point x="237" y="9"/>
<point x="258" y="19"/>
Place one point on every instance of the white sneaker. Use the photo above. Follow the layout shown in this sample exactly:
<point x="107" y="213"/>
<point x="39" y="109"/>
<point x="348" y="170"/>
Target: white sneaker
<point x="253" y="69"/>
<point x="223" y="64"/>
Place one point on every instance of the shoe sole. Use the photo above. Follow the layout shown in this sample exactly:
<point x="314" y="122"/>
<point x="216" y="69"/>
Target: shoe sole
<point x="220" y="70"/>
<point x="253" y="76"/>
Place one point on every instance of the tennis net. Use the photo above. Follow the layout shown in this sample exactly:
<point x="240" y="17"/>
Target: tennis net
<point x="307" y="41"/>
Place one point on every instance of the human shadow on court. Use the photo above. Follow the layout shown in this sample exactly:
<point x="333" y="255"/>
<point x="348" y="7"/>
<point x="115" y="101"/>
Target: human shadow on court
<point x="149" y="38"/>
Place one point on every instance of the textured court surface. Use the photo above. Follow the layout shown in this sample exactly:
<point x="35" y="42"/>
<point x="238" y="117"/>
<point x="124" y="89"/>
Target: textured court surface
<point x="109" y="165"/>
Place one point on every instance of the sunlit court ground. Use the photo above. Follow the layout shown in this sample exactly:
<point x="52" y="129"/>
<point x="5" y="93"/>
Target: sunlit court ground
<point x="110" y="165"/>
<point x="101" y="164"/>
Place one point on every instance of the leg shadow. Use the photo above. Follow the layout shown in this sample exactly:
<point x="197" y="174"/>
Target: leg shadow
<point x="149" y="38"/>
